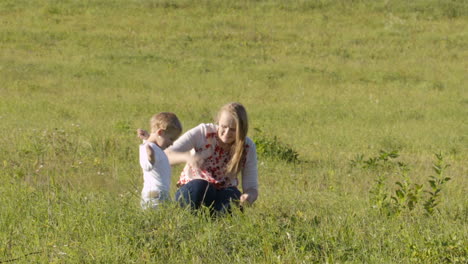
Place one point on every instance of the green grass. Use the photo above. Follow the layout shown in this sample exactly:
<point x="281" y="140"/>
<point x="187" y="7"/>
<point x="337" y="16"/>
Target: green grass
<point x="327" y="80"/>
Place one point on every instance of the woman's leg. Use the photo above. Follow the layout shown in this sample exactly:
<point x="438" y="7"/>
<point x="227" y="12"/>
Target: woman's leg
<point x="224" y="198"/>
<point x="195" y="193"/>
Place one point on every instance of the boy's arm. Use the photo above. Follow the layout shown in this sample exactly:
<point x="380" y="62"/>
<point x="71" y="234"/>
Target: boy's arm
<point x="147" y="157"/>
<point x="150" y="153"/>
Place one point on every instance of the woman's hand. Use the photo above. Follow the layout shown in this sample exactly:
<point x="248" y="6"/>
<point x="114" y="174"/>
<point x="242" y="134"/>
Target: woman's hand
<point x="248" y="197"/>
<point x="142" y="134"/>
<point x="195" y="161"/>
<point x="244" y="199"/>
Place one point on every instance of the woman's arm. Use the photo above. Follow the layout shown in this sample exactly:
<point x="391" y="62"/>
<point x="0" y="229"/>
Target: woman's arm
<point x="250" y="175"/>
<point x="180" y="151"/>
<point x="176" y="157"/>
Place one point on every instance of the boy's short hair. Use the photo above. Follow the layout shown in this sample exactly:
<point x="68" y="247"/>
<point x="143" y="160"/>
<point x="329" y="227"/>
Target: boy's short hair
<point x="165" y="121"/>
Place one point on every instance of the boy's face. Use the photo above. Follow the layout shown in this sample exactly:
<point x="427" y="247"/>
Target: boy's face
<point x="166" y="138"/>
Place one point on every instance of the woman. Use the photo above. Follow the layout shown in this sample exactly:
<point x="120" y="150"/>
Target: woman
<point x="214" y="155"/>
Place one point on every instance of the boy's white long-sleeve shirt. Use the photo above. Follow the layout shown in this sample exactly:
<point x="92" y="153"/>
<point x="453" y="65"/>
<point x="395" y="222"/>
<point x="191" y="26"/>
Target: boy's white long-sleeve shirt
<point x="156" y="176"/>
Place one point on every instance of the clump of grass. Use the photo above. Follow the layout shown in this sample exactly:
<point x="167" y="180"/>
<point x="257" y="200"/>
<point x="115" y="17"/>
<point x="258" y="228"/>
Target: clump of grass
<point x="271" y="147"/>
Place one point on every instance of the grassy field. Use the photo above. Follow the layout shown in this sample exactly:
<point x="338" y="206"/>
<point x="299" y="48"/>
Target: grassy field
<point x="364" y="93"/>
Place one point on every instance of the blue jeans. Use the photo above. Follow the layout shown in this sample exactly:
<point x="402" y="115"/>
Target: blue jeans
<point x="200" y="192"/>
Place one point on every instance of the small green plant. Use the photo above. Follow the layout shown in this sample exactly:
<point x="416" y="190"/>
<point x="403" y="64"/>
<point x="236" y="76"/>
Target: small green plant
<point x="372" y="162"/>
<point x="379" y="196"/>
<point x="405" y="197"/>
<point x="382" y="160"/>
<point x="436" y="182"/>
<point x="357" y="161"/>
<point x="408" y="194"/>
<point x="386" y="156"/>
<point x="273" y="148"/>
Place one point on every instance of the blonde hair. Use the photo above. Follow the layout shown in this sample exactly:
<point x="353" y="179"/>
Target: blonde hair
<point x="238" y="112"/>
<point x="165" y="121"/>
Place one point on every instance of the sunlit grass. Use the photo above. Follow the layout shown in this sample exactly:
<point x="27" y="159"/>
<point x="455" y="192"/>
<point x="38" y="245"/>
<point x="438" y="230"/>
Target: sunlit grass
<point x="326" y="80"/>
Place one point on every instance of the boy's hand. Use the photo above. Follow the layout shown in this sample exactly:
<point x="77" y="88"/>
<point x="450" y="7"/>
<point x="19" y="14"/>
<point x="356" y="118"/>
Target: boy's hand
<point x="142" y="134"/>
<point x="150" y="153"/>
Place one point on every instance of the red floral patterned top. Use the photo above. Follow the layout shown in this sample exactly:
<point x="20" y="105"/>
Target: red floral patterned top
<point x="203" y="140"/>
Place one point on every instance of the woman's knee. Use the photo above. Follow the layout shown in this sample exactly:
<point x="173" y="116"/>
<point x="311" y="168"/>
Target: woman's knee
<point x="225" y="198"/>
<point x="194" y="193"/>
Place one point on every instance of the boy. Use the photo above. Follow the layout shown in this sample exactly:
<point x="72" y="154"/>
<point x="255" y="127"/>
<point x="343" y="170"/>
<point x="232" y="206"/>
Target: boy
<point x="165" y="129"/>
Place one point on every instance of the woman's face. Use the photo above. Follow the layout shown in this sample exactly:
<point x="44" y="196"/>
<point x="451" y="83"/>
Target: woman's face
<point x="227" y="128"/>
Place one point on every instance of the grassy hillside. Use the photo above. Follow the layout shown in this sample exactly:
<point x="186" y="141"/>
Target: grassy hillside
<point x="341" y="84"/>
